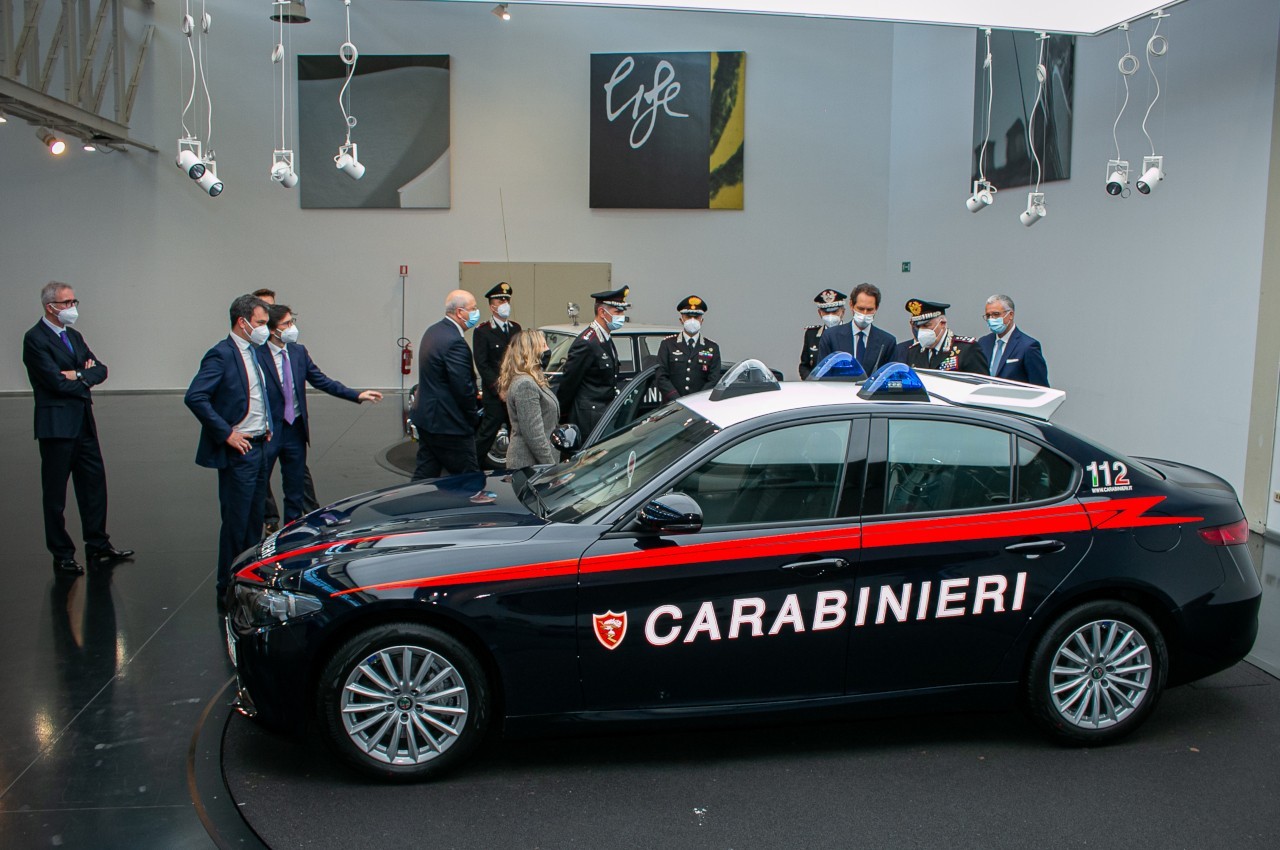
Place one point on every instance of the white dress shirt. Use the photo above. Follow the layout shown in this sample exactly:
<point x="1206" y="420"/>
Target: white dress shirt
<point x="255" y="424"/>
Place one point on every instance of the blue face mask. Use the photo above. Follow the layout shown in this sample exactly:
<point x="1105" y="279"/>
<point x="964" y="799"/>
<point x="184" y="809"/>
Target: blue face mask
<point x="473" y="318"/>
<point x="616" y="323"/>
<point x="996" y="325"/>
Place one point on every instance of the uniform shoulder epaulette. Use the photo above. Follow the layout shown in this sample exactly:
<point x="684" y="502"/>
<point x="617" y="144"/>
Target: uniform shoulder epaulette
<point x="589" y="334"/>
<point x="811" y="327"/>
<point x="960" y="338"/>
<point x="672" y="336"/>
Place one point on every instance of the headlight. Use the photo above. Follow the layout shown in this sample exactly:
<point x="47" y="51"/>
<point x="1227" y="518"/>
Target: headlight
<point x="264" y="606"/>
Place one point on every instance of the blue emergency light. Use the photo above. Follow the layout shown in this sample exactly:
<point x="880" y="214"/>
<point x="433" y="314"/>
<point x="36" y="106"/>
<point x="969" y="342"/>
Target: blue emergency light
<point x="838" y="366"/>
<point x="894" y="382"/>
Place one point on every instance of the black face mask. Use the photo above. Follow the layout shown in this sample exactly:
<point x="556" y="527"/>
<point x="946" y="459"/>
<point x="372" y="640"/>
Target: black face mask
<point x="545" y="359"/>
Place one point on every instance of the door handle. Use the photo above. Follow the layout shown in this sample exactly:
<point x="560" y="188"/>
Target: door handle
<point x="1036" y="548"/>
<point x="818" y="567"/>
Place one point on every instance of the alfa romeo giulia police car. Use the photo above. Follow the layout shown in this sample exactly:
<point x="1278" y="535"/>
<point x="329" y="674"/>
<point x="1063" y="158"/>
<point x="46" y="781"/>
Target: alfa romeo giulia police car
<point x="759" y="547"/>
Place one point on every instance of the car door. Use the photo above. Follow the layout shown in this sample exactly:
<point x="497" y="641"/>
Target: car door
<point x="967" y="528"/>
<point x="753" y="607"/>
<point x="636" y="400"/>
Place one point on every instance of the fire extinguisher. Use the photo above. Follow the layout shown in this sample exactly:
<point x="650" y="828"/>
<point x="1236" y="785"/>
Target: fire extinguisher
<point x="406" y="356"/>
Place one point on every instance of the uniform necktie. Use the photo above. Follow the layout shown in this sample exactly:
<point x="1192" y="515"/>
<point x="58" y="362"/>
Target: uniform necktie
<point x="862" y="344"/>
<point x="66" y="340"/>
<point x="995" y="356"/>
<point x="289" y="415"/>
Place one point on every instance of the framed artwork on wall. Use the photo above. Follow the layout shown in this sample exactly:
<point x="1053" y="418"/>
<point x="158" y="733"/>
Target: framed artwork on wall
<point x="401" y="104"/>
<point x="1009" y="162"/>
<point x="667" y="130"/>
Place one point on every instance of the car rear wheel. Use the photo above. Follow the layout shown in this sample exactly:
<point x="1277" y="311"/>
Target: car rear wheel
<point x="1097" y="673"/>
<point x="403" y="701"/>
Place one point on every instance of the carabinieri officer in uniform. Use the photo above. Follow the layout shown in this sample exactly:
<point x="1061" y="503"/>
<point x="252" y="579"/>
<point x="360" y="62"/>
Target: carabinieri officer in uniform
<point x="830" y="311"/>
<point x="936" y="347"/>
<point x="489" y="343"/>
<point x="687" y="361"/>
<point x="590" y="377"/>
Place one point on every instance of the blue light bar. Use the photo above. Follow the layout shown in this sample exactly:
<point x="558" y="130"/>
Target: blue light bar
<point x="894" y="382"/>
<point x="838" y="366"/>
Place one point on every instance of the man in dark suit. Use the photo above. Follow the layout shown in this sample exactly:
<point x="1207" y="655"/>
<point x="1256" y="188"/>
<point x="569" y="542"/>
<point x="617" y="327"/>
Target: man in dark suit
<point x="830" y="313"/>
<point x="229" y="397"/>
<point x="871" y="346"/>
<point x="1011" y="353"/>
<point x="489" y="343"/>
<point x="446" y="415"/>
<point x="271" y="514"/>
<point x="589" y="380"/>
<point x="687" y="361"/>
<point x="289" y="368"/>
<point x="62" y="371"/>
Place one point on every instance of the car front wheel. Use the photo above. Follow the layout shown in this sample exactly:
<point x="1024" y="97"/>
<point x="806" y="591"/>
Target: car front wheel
<point x="403" y="701"/>
<point x="1097" y="673"/>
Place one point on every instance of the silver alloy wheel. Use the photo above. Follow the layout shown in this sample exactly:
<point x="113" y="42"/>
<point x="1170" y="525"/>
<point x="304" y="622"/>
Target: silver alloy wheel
<point x="404" y="705"/>
<point x="1101" y="673"/>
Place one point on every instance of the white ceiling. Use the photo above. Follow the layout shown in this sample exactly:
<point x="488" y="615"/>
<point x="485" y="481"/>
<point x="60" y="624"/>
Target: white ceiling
<point x="1082" y="17"/>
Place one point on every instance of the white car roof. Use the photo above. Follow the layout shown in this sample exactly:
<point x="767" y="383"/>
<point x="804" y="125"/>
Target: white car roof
<point x="946" y="389"/>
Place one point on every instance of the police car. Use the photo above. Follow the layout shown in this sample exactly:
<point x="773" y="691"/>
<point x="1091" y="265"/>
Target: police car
<point x="911" y="538"/>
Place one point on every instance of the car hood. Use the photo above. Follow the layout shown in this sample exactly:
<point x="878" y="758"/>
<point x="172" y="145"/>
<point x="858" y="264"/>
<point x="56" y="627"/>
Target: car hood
<point x="460" y="510"/>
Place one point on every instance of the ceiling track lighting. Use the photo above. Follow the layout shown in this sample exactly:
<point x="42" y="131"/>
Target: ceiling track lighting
<point x="1153" y="165"/>
<point x="1035" y="199"/>
<point x="348" y="160"/>
<point x="189" y="157"/>
<point x="502" y="12"/>
<point x="1035" y="209"/>
<point x="195" y="156"/>
<point x="208" y="179"/>
<point x="1117" y="168"/>
<point x="984" y="194"/>
<point x="289" y="11"/>
<point x="282" y="169"/>
<point x="1152" y="173"/>
<point x="1118" y="177"/>
<point x="56" y="146"/>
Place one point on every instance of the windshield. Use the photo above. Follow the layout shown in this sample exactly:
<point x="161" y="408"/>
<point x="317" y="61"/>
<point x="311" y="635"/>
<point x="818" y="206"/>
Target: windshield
<point x="614" y="469"/>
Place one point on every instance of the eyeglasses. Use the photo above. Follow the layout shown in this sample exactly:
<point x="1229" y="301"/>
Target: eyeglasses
<point x="74" y="302"/>
<point x="996" y="315"/>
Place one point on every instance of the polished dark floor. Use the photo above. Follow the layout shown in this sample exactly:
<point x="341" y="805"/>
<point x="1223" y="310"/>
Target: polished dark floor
<point x="117" y="732"/>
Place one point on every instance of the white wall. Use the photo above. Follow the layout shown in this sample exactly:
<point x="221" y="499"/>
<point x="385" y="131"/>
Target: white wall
<point x="857" y="158"/>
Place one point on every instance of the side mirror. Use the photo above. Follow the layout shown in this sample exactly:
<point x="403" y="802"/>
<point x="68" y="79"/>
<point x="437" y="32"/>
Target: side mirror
<point x="674" y="513"/>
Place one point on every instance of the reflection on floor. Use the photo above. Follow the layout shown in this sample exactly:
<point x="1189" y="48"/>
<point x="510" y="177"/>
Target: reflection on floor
<point x="107" y="674"/>
<point x="1266" y="649"/>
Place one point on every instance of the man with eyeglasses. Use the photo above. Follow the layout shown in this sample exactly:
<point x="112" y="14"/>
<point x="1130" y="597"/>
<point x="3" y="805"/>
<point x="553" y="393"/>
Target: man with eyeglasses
<point x="1010" y="352"/>
<point x="63" y="371"/>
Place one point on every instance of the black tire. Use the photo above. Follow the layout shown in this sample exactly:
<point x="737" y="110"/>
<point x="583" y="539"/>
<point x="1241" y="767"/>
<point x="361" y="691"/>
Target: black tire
<point x="1071" y="690"/>
<point x="444" y="718"/>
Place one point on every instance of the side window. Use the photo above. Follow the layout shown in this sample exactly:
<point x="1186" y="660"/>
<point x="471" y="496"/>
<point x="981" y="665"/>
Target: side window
<point x="790" y="474"/>
<point x="935" y="465"/>
<point x="626" y="353"/>
<point x="1041" y="473"/>
<point x="648" y="350"/>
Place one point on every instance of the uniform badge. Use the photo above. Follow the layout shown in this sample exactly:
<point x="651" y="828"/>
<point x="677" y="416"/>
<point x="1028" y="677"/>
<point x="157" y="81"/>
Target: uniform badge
<point x="828" y="296"/>
<point x="610" y="628"/>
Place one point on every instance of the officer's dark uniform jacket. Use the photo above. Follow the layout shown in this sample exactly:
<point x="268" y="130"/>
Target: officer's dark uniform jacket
<point x="489" y="343"/>
<point x="590" y="379"/>
<point x="954" y="354"/>
<point x="686" y="366"/>
<point x="809" y="354"/>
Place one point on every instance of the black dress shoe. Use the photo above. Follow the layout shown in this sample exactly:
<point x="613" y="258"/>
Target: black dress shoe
<point x="67" y="566"/>
<point x="108" y="556"/>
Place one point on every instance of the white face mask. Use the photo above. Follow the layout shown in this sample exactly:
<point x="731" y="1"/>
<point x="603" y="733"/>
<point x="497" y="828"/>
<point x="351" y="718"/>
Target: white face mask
<point x="831" y="319"/>
<point x="692" y="326"/>
<point x="69" y="315"/>
<point x="863" y="320"/>
<point x="289" y="334"/>
<point x="259" y="335"/>
<point x="926" y="337"/>
<point x="502" y="311"/>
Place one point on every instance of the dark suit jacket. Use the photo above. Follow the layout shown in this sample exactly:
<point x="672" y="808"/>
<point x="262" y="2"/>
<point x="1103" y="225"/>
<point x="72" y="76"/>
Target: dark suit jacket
<point x="305" y="371"/>
<point x="1022" y="359"/>
<point x="489" y="345"/>
<point x="446" y="383"/>
<point x="219" y="397"/>
<point x="880" y="345"/>
<point x="61" y="405"/>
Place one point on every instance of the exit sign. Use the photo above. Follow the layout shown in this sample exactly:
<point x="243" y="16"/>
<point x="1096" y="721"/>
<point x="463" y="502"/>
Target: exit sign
<point x="906" y="265"/>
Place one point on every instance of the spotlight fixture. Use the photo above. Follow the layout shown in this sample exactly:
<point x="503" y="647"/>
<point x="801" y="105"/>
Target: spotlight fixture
<point x="1035" y="209"/>
<point x="282" y="169"/>
<point x="56" y="146"/>
<point x="501" y="11"/>
<point x="289" y="11"/>
<point x="1152" y="173"/>
<point x="984" y="195"/>
<point x="348" y="161"/>
<point x="209" y="178"/>
<point x="1117" y="176"/>
<point x="189" y="157"/>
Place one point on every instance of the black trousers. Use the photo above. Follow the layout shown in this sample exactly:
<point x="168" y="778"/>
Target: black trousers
<point x="441" y="454"/>
<point x="242" y="490"/>
<point x="495" y="416"/>
<point x="289" y="447"/>
<point x="78" y="458"/>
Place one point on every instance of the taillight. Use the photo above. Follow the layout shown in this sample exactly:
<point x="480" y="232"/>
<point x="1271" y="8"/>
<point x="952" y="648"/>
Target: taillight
<point x="1227" y="535"/>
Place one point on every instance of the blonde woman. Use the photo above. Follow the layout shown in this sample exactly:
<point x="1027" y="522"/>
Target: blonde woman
<point x="531" y="405"/>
